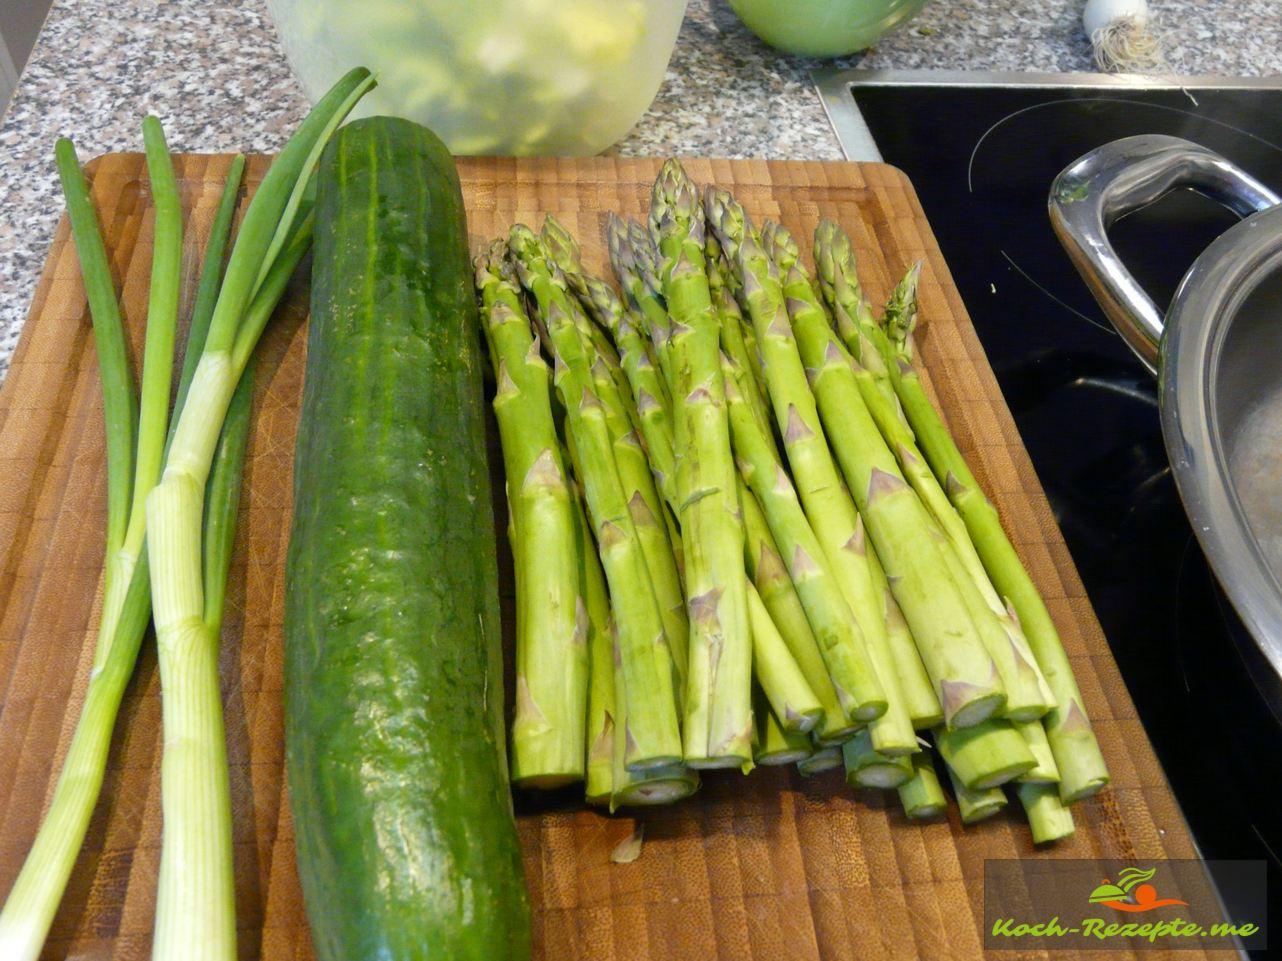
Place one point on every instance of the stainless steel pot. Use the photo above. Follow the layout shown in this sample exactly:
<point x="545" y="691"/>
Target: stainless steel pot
<point x="1217" y="354"/>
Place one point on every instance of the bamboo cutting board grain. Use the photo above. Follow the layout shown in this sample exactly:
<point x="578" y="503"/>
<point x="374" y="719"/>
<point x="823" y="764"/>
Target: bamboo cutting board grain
<point x="771" y="868"/>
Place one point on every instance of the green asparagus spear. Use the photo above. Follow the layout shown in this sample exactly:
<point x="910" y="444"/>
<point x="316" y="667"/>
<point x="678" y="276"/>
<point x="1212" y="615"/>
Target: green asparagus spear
<point x="1077" y="754"/>
<point x="791" y="699"/>
<point x="1034" y="735"/>
<point x="662" y="784"/>
<point x="732" y="322"/>
<point x="644" y="394"/>
<point x="551" y="646"/>
<point x="608" y="779"/>
<point x="601" y="301"/>
<point x="840" y="640"/>
<point x="869" y="348"/>
<point x="718" y="707"/>
<point x="779" y="594"/>
<point x="652" y="734"/>
<point x="633" y="259"/>
<point x="779" y="673"/>
<point x="648" y="513"/>
<point x="965" y="676"/>
<point x="920" y="699"/>
<point x="827" y="505"/>
<point x="599" y="776"/>
<point x="648" y="389"/>
<point x="1026" y="692"/>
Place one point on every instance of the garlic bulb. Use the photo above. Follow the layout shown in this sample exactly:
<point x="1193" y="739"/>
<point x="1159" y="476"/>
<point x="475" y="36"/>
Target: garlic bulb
<point x="1121" y="33"/>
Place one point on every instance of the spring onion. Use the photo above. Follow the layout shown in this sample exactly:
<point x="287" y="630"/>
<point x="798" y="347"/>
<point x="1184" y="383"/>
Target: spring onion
<point x="34" y="899"/>
<point x="195" y="903"/>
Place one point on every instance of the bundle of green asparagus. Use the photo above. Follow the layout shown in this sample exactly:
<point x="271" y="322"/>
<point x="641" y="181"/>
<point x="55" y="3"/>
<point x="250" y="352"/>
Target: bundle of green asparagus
<point x="743" y="535"/>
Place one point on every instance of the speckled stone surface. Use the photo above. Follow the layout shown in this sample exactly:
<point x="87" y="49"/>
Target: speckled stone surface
<point x="214" y="73"/>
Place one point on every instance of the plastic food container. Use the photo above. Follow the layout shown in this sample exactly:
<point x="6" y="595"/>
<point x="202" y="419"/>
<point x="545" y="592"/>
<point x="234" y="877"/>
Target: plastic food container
<point x="824" y="28"/>
<point x="492" y="76"/>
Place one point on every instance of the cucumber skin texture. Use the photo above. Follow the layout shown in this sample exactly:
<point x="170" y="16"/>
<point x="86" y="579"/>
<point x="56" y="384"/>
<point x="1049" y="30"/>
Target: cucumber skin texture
<point x="406" y="843"/>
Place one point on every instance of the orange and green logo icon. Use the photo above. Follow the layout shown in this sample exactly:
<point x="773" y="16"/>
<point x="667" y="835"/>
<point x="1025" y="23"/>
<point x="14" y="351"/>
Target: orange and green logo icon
<point x="1132" y="892"/>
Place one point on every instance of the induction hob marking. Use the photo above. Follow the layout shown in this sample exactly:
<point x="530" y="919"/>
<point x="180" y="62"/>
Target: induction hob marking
<point x="1071" y="309"/>
<point x="970" y="164"/>
<point x="970" y="173"/>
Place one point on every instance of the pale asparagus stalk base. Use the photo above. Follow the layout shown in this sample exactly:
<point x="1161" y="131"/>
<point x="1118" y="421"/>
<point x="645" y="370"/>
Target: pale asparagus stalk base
<point x="823" y="759"/>
<point x="985" y="755"/>
<point x="978" y="804"/>
<point x="772" y="745"/>
<point x="867" y="768"/>
<point x="921" y="796"/>
<point x="1048" y="817"/>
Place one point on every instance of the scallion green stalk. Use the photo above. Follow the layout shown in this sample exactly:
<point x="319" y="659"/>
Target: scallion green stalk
<point x="195" y="902"/>
<point x="34" y="898"/>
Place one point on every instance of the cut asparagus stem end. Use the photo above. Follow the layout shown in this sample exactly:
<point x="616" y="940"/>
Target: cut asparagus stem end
<point x="978" y="710"/>
<point x="673" y="784"/>
<point x="1000" y="777"/>
<point x="982" y="813"/>
<point x="719" y="762"/>
<point x="825" y="759"/>
<point x="1048" y="816"/>
<point x="885" y="776"/>
<point x="976" y="804"/>
<point x="1087" y="789"/>
<point x="985" y="756"/>
<point x="865" y="767"/>
<point x="922" y="796"/>
<point x="772" y="743"/>
<point x="925" y="811"/>
<point x="921" y="810"/>
<point x="837" y="737"/>
<point x="779" y="758"/>
<point x="650" y="766"/>
<point x="870" y="710"/>
<point x="984" y="809"/>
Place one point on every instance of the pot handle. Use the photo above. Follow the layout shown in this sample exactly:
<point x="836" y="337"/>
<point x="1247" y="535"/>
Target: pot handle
<point x="1090" y="194"/>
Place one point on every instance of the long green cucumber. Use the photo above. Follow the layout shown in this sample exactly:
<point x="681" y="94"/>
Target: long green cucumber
<point x="407" y="847"/>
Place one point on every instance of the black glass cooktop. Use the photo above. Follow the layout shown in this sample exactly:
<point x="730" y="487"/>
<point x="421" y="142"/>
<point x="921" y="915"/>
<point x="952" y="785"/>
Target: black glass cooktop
<point x="982" y="157"/>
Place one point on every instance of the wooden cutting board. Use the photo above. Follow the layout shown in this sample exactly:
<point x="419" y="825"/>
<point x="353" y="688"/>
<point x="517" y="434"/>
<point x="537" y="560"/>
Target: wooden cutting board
<point x="772" y="868"/>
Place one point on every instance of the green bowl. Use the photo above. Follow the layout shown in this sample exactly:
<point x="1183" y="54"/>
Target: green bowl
<point x="823" y="28"/>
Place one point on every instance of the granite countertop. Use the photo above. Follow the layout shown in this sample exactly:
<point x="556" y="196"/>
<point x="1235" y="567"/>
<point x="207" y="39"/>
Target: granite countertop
<point x="215" y="75"/>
